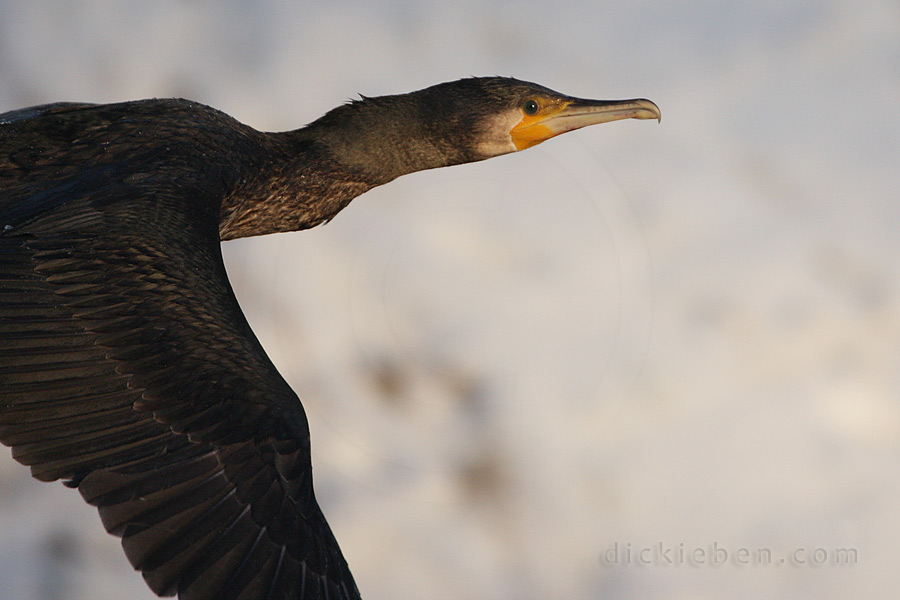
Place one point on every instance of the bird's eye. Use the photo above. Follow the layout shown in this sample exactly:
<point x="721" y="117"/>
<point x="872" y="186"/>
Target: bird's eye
<point x="530" y="107"/>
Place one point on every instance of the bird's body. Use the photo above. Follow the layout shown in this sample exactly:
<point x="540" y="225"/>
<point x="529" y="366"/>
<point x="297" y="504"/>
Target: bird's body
<point x="127" y="368"/>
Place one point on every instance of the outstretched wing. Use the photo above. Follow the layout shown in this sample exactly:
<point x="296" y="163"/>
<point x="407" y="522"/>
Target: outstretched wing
<point x="128" y="369"/>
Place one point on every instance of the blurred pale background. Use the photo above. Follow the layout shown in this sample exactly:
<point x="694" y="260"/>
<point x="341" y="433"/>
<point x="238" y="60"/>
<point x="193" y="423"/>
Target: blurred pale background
<point x="675" y="337"/>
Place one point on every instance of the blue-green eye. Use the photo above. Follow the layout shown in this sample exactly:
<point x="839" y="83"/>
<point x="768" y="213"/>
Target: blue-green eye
<point x="530" y="107"/>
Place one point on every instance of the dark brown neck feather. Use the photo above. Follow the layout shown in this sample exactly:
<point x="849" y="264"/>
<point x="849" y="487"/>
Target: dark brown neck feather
<point x="305" y="177"/>
<point x="296" y="187"/>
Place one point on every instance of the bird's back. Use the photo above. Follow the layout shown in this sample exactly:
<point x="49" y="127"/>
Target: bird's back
<point x="57" y="154"/>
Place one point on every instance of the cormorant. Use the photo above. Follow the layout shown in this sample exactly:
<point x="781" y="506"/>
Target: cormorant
<point x="127" y="368"/>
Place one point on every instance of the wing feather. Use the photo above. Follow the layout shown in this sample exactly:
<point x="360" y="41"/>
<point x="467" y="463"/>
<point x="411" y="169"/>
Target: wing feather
<point x="128" y="370"/>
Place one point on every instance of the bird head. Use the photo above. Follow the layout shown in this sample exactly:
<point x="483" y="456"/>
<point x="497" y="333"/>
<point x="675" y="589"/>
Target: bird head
<point x="498" y="115"/>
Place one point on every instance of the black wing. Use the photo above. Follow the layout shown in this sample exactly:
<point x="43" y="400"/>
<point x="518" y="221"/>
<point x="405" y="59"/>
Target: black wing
<point x="128" y="369"/>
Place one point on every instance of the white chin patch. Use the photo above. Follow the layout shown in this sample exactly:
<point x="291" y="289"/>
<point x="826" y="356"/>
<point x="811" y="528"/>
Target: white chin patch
<point x="496" y="139"/>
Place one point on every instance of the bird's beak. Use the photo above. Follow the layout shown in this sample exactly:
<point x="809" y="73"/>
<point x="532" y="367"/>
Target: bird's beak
<point x="569" y="114"/>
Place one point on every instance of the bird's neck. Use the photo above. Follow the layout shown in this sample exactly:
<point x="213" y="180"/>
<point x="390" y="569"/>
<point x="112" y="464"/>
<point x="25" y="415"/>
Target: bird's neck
<point x="295" y="186"/>
<point x="307" y="176"/>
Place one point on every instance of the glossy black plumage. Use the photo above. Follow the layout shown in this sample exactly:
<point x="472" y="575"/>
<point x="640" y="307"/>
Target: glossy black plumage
<point x="127" y="368"/>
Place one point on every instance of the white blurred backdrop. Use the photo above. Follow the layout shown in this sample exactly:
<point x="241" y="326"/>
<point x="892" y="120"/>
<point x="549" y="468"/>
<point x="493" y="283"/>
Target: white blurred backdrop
<point x="639" y="361"/>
